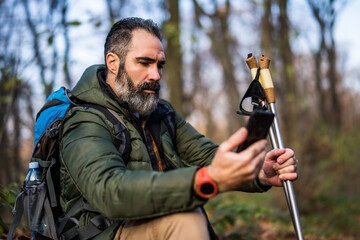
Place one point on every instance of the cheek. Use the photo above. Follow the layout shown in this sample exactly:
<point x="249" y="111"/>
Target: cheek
<point x="136" y="79"/>
<point x="136" y="76"/>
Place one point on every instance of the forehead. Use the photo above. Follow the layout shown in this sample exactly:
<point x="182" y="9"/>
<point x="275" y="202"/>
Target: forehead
<point x="144" y="44"/>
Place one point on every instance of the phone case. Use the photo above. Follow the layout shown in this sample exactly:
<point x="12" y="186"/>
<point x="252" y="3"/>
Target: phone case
<point x="258" y="127"/>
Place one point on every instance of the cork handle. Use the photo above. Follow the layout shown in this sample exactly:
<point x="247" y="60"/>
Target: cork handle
<point x="265" y="79"/>
<point x="252" y="64"/>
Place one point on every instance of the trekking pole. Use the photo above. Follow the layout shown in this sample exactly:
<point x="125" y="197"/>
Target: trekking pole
<point x="253" y="66"/>
<point x="268" y="86"/>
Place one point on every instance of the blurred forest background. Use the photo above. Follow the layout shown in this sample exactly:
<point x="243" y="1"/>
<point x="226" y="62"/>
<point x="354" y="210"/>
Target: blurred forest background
<point x="45" y="44"/>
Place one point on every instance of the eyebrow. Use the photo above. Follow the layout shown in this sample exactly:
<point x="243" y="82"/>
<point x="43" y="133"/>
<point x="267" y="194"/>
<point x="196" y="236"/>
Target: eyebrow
<point x="148" y="59"/>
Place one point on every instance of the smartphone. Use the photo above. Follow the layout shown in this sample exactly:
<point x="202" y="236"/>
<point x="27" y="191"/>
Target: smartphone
<point x="258" y="127"/>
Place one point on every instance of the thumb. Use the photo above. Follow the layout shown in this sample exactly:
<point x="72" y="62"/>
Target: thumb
<point x="235" y="140"/>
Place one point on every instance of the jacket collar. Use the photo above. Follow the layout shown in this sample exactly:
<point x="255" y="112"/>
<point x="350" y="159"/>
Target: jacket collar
<point x="107" y="89"/>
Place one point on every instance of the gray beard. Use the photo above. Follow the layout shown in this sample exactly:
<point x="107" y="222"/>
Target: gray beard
<point x="138" y="101"/>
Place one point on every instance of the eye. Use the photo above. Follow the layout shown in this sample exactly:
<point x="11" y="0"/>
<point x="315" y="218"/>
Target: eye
<point x="145" y="64"/>
<point x="160" y="66"/>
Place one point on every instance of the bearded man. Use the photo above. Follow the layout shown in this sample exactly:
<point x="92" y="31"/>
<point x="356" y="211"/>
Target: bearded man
<point x="159" y="191"/>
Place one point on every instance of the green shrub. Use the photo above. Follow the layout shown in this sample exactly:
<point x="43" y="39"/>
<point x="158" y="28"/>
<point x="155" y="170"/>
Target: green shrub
<point x="7" y="201"/>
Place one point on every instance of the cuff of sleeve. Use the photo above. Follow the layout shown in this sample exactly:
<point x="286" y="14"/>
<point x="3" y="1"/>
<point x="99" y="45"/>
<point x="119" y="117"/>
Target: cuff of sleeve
<point x="255" y="186"/>
<point x="262" y="187"/>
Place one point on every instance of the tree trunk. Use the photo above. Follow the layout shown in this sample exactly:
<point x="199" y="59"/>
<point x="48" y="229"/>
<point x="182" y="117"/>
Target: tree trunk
<point x="66" y="69"/>
<point x="267" y="29"/>
<point x="221" y="47"/>
<point x="288" y="74"/>
<point x="334" y="80"/>
<point x="325" y="13"/>
<point x="173" y="69"/>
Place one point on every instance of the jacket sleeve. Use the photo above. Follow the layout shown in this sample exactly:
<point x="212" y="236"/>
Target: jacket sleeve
<point x="98" y="172"/>
<point x="193" y="147"/>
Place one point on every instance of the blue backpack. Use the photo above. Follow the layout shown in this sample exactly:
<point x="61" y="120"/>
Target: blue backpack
<point x="43" y="212"/>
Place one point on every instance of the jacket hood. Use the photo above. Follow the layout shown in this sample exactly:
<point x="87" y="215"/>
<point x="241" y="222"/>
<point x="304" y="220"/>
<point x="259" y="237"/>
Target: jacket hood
<point x="92" y="88"/>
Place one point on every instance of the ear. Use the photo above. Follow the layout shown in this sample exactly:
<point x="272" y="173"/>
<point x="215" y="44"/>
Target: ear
<point x="112" y="63"/>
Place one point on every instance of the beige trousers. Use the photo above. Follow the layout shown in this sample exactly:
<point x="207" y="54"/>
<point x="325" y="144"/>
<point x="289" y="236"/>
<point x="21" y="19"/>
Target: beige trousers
<point x="183" y="226"/>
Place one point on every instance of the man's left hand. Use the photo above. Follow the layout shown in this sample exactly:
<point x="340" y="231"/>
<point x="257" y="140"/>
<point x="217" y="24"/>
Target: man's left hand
<point x="279" y="164"/>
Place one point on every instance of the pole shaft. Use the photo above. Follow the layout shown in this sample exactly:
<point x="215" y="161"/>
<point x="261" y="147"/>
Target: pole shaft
<point x="288" y="187"/>
<point x="274" y="143"/>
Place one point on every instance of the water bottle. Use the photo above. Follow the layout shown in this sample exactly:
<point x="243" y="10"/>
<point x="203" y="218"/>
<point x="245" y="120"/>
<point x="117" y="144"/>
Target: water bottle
<point x="33" y="178"/>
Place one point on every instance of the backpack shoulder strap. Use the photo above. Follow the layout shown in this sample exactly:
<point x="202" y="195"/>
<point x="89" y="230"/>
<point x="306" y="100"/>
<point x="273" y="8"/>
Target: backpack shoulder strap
<point x="122" y="135"/>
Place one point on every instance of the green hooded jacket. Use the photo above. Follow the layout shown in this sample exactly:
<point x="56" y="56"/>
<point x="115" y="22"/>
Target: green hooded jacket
<point x="92" y="167"/>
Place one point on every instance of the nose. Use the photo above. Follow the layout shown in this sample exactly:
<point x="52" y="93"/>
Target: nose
<point x="155" y="73"/>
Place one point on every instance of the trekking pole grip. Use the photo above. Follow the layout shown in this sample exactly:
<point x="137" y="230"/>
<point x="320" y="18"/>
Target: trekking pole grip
<point x="252" y="64"/>
<point x="265" y="79"/>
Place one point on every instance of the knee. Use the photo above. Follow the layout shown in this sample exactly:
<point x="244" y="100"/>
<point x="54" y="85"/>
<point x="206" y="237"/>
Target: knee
<point x="193" y="224"/>
<point x="190" y="219"/>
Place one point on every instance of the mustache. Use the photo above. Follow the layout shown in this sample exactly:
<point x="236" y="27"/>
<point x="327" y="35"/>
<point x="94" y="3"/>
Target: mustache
<point x="154" y="86"/>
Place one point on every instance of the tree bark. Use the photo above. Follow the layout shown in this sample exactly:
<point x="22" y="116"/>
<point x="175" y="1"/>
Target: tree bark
<point x="267" y="29"/>
<point x="288" y="73"/>
<point x="325" y="13"/>
<point x="174" y="64"/>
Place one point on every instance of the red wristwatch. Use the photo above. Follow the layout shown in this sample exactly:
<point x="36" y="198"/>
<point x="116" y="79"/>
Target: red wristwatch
<point x="205" y="186"/>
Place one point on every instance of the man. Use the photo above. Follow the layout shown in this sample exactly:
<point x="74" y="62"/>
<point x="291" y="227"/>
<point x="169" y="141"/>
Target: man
<point x="157" y="193"/>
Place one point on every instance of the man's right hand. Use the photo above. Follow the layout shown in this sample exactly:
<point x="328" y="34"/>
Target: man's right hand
<point x="231" y="170"/>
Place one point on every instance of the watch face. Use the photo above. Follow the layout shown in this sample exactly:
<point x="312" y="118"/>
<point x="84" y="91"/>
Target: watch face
<point x="207" y="188"/>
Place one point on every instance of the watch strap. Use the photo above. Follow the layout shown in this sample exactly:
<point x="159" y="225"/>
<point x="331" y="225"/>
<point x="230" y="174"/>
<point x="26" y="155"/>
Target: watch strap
<point x="206" y="187"/>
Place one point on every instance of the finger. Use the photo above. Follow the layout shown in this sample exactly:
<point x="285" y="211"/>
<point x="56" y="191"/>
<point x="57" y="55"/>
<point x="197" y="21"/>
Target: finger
<point x="235" y="140"/>
<point x="258" y="161"/>
<point x="275" y="153"/>
<point x="255" y="148"/>
<point x="253" y="165"/>
<point x="289" y="162"/>
<point x="284" y="157"/>
<point x="288" y="176"/>
<point x="288" y="169"/>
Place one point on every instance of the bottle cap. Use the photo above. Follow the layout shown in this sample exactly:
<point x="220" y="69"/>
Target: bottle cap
<point x="33" y="165"/>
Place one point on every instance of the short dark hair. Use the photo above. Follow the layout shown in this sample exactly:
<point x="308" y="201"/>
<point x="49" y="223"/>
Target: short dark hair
<point x="120" y="35"/>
